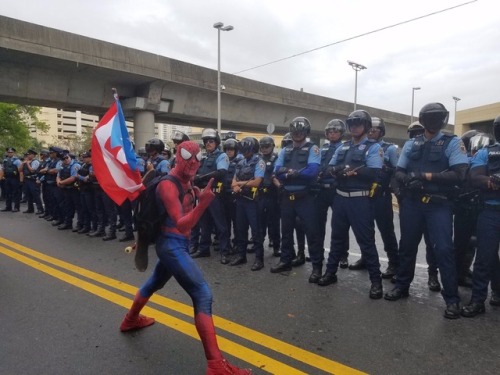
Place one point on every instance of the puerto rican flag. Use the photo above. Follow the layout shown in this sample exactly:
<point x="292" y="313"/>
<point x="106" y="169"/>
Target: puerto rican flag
<point x="113" y="157"/>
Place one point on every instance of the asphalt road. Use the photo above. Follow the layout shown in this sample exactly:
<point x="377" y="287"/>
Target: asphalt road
<point x="63" y="296"/>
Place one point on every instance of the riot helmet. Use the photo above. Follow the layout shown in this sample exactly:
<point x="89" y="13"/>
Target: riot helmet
<point x="335" y="125"/>
<point x="434" y="117"/>
<point x="378" y="123"/>
<point x="155" y="145"/>
<point x="300" y="125"/>
<point x="287" y="140"/>
<point x="230" y="144"/>
<point x="479" y="141"/>
<point x="496" y="128"/>
<point x="359" y="117"/>
<point x="248" y="144"/>
<point x="466" y="137"/>
<point x="179" y="137"/>
<point x="142" y="151"/>
<point x="415" y="129"/>
<point x="208" y="133"/>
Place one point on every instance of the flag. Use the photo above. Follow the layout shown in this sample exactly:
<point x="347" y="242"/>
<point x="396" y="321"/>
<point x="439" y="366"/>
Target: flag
<point x="113" y="157"/>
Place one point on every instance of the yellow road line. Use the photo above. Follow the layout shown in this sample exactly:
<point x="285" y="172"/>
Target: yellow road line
<point x="269" y="342"/>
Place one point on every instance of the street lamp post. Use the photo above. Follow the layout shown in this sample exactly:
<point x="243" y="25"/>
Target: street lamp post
<point x="357" y="67"/>
<point x="413" y="101"/>
<point x="219" y="26"/>
<point x="456" y="101"/>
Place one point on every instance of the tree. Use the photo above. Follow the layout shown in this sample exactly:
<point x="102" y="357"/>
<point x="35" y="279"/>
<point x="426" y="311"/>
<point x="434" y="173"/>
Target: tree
<point x="15" y="122"/>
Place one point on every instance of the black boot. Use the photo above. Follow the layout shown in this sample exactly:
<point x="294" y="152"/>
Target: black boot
<point x="99" y="232"/>
<point x="315" y="275"/>
<point x="299" y="260"/>
<point x="111" y="235"/>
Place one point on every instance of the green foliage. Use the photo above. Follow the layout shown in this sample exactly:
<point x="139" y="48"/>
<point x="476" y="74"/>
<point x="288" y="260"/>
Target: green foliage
<point x="15" y="122"/>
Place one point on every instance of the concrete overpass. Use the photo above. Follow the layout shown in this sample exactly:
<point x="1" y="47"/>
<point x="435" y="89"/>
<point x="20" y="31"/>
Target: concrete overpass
<point x="48" y="67"/>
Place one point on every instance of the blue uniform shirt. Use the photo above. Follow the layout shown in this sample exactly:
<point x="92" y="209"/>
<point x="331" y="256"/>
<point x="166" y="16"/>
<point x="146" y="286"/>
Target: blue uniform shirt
<point x="481" y="160"/>
<point x="163" y="166"/>
<point x="455" y="152"/>
<point x="311" y="171"/>
<point x="222" y="161"/>
<point x="391" y="156"/>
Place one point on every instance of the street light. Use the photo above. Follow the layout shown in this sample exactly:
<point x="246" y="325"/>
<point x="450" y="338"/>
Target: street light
<point x="456" y="101"/>
<point x="413" y="101"/>
<point x="219" y="26"/>
<point x="357" y="67"/>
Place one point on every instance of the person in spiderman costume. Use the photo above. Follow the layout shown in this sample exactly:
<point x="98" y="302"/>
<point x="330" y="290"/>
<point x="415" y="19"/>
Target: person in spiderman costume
<point x="172" y="248"/>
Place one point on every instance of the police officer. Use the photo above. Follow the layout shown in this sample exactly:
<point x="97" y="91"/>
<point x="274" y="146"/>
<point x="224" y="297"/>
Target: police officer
<point x="298" y="227"/>
<point x="156" y="161"/>
<point x="297" y="169"/>
<point x="29" y="169"/>
<point x="357" y="165"/>
<point x="213" y="165"/>
<point x="466" y="211"/>
<point x="11" y="171"/>
<point x="245" y="186"/>
<point x="429" y="168"/>
<point x="334" y="133"/>
<point x="485" y="175"/>
<point x="87" y="201"/>
<point x="384" y="214"/>
<point x="414" y="130"/>
<point x="66" y="181"/>
<point x="41" y="175"/>
<point x="230" y="148"/>
<point x="269" y="209"/>
<point x="177" y="138"/>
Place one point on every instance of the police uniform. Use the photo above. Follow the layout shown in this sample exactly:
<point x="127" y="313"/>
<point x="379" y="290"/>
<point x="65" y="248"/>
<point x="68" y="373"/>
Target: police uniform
<point x="428" y="205"/>
<point x="54" y="194"/>
<point x="228" y="198"/>
<point x="486" y="265"/>
<point x="12" y="184"/>
<point x="297" y="200"/>
<point x="214" y="216"/>
<point x="70" y="192"/>
<point x="326" y="192"/>
<point x="41" y="175"/>
<point x="269" y="209"/>
<point x="247" y="211"/>
<point x="87" y="201"/>
<point x="31" y="186"/>
<point x="354" y="208"/>
<point x="384" y="214"/>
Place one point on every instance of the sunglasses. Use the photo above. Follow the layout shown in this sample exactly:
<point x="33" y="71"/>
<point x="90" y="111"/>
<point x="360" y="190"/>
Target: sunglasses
<point x="209" y="141"/>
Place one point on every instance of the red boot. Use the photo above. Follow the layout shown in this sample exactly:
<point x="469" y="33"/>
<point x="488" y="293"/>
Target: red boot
<point x="222" y="367"/>
<point x="133" y="320"/>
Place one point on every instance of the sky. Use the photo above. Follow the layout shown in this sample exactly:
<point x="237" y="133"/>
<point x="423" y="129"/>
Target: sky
<point x="448" y="48"/>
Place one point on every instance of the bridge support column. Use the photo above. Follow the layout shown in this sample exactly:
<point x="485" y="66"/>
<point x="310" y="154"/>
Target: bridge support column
<point x="144" y="127"/>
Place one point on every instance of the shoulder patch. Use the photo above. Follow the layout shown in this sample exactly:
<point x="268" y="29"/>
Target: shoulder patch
<point x="463" y="150"/>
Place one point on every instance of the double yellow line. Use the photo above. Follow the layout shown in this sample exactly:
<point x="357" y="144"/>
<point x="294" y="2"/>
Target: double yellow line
<point x="32" y="258"/>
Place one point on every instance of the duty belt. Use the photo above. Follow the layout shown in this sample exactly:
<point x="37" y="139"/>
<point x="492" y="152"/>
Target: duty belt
<point x="353" y="194"/>
<point x="327" y="186"/>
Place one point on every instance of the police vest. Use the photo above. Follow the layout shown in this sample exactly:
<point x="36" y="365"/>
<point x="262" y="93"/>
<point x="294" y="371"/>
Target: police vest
<point x="51" y="178"/>
<point x="245" y="170"/>
<point x="269" y="172"/>
<point x="430" y="157"/>
<point x="354" y="156"/>
<point x="65" y="173"/>
<point x="84" y="171"/>
<point x="209" y="164"/>
<point x="9" y="169"/>
<point x="27" y="173"/>
<point x="327" y="152"/>
<point x="296" y="159"/>
<point x="231" y="170"/>
<point x="493" y="168"/>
